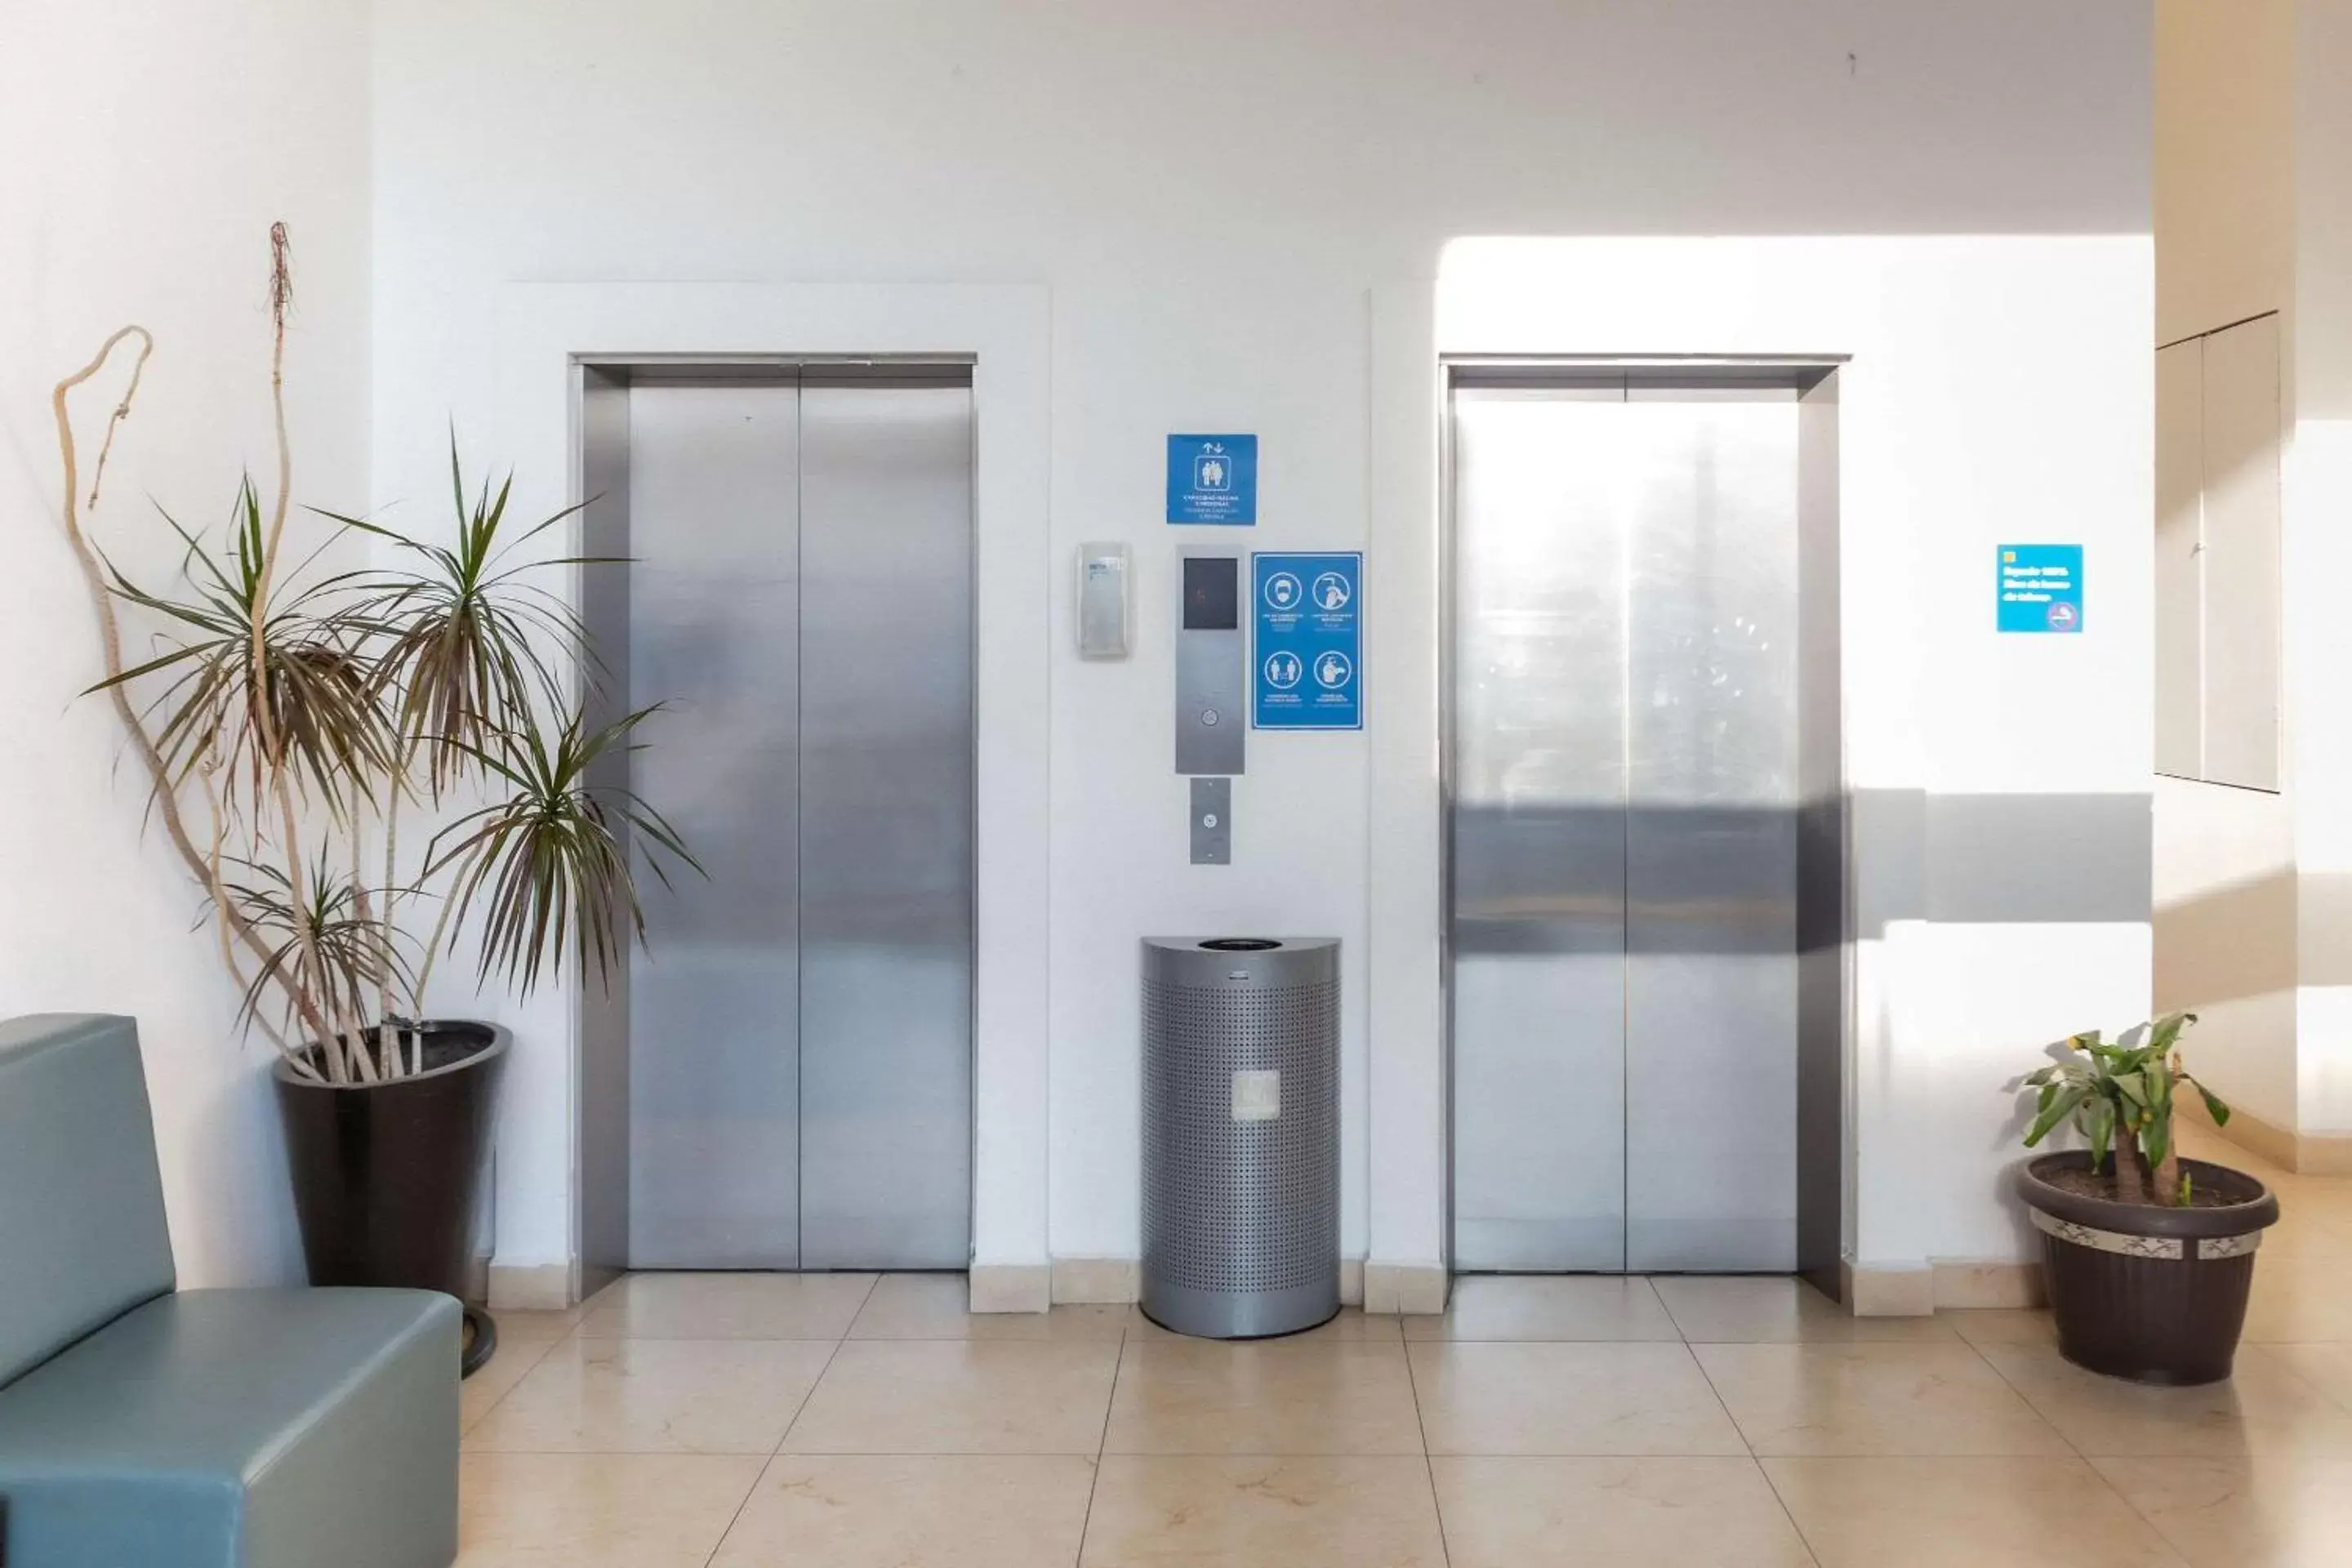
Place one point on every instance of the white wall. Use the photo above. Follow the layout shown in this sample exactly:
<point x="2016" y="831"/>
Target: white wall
<point x="2318" y="499"/>
<point x="151" y="143"/>
<point x="2225" y="891"/>
<point x="1211" y="193"/>
<point x="2254" y="213"/>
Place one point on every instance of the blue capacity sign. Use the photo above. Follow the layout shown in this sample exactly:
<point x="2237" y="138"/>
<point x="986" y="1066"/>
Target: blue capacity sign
<point x="1310" y="642"/>
<point x="1213" y="480"/>
<point x="2040" y="588"/>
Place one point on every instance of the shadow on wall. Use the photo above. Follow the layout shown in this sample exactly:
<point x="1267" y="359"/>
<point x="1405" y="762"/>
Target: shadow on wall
<point x="1724" y="875"/>
<point x="2240" y="939"/>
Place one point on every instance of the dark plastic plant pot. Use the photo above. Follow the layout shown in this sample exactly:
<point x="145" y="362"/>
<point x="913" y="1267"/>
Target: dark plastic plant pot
<point x="2146" y="1292"/>
<point x="387" y="1175"/>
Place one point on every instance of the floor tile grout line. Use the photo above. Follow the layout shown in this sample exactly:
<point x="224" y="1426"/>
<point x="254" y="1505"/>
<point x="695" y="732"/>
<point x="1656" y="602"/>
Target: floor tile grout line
<point x="1720" y="1402"/>
<point x="2085" y="1460"/>
<point x="1786" y="1511"/>
<point x="2075" y="1449"/>
<point x="1428" y="1464"/>
<point x="1056" y="1454"/>
<point x="785" y="1435"/>
<point x="1650" y="1283"/>
<point x="468" y="1428"/>
<point x="1102" y="1441"/>
<point x="1664" y="1454"/>
<point x="2027" y="1400"/>
<point x="1754" y="1459"/>
<point x="2270" y="1349"/>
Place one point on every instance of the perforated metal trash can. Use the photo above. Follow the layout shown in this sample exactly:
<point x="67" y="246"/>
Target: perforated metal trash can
<point x="1240" y="1133"/>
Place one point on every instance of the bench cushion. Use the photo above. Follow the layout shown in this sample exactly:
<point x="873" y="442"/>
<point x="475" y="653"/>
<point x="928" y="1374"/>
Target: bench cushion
<point x="82" y="1238"/>
<point x="242" y="1429"/>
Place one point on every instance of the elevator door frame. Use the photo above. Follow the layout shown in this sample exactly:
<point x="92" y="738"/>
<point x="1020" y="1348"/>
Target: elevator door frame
<point x="1826" y="930"/>
<point x="599" y="1126"/>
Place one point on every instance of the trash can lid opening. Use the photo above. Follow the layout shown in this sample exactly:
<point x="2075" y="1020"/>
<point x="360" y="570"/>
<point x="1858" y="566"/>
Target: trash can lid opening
<point x="1240" y="945"/>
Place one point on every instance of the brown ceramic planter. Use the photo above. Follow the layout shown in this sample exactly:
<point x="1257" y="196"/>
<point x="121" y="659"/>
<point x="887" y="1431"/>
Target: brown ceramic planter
<point x="2148" y="1293"/>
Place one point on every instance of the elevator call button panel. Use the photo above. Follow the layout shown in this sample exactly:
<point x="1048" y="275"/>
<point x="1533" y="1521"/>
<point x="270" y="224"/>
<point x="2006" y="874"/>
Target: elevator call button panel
<point x="1212" y="718"/>
<point x="1212" y="822"/>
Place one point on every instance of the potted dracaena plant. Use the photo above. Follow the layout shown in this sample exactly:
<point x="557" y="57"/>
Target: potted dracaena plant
<point x="365" y="770"/>
<point x="2149" y="1257"/>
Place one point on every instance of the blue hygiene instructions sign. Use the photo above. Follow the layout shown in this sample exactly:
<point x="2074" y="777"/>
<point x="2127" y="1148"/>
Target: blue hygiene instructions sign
<point x="1213" y="480"/>
<point x="2040" y="588"/>
<point x="1309" y="648"/>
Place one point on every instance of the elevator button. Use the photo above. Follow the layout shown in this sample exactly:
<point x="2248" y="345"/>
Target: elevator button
<point x="1209" y="717"/>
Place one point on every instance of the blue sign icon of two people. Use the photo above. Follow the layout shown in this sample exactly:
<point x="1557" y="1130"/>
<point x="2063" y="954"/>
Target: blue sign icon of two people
<point x="1283" y="671"/>
<point x="1213" y="480"/>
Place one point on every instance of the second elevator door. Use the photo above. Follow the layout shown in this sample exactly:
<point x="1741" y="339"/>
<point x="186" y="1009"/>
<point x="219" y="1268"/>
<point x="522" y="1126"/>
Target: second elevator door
<point x="800" y="1025"/>
<point x="1624" y="856"/>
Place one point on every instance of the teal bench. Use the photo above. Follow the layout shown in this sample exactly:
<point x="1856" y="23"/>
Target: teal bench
<point x="144" y="1426"/>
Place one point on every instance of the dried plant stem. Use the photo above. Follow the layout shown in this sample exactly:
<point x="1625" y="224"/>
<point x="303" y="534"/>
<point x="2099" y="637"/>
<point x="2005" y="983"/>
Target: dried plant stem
<point x="314" y="968"/>
<point x="167" y="804"/>
<point x="281" y="295"/>
<point x="215" y="885"/>
<point x="440" y="925"/>
<point x="400" y="1037"/>
<point x="265" y="722"/>
<point x="388" y="1061"/>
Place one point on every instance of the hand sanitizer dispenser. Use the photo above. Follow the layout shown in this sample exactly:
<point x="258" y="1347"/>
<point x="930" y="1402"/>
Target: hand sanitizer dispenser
<point x="1103" y="600"/>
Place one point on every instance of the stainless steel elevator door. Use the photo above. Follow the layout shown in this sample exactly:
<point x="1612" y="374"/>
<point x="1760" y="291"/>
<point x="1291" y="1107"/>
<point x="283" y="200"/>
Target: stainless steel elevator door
<point x="1621" y="835"/>
<point x="1538" y="830"/>
<point x="886" y="848"/>
<point x="801" y="1024"/>
<point x="714" y="999"/>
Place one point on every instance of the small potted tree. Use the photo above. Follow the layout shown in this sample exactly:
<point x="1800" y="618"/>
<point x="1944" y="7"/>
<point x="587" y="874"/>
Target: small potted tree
<point x="364" y="769"/>
<point x="2150" y="1255"/>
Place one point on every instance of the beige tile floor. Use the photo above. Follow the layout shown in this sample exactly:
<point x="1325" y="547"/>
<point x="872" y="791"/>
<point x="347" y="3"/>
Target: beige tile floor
<point x="846" y="1421"/>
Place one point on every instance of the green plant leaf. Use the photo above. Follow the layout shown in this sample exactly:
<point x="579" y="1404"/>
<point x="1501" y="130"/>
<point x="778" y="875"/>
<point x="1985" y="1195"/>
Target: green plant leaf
<point x="2214" y="1105"/>
<point x="258" y="690"/>
<point x="466" y="652"/>
<point x="2052" y="1115"/>
<point x="2102" y="1130"/>
<point x="549" y="866"/>
<point x="2162" y="1033"/>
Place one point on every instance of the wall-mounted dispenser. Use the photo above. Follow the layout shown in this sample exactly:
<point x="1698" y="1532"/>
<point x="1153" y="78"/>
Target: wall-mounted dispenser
<point x="1211" y="719"/>
<point x="1105" y="599"/>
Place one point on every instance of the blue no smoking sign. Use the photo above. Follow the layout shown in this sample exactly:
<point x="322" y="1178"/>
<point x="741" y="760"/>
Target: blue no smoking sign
<point x="2040" y="588"/>
<point x="1213" y="480"/>
<point x="1309" y="647"/>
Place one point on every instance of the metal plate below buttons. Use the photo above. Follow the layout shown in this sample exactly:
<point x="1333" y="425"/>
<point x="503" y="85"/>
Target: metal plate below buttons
<point x="1212" y="822"/>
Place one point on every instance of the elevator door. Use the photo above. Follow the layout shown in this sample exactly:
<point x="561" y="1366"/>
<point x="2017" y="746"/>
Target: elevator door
<point x="800" y="1057"/>
<point x="1623" y="793"/>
